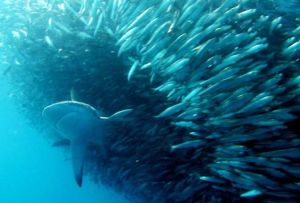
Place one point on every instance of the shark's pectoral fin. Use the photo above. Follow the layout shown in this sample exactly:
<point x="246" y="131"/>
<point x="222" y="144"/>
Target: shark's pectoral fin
<point x="119" y="116"/>
<point x="68" y="124"/>
<point x="78" y="148"/>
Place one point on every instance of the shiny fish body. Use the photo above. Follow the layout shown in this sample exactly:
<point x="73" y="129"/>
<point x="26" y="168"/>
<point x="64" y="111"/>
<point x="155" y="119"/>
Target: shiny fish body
<point x="187" y="145"/>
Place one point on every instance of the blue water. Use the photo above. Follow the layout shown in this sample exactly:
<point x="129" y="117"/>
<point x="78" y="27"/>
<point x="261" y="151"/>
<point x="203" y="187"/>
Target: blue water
<point x="31" y="171"/>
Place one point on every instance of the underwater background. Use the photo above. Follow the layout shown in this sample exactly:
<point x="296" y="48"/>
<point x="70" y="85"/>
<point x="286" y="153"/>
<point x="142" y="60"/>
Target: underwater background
<point x="213" y="84"/>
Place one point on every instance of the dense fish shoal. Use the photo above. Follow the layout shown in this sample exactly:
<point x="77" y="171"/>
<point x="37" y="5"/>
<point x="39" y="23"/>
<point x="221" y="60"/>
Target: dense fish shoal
<point x="214" y="86"/>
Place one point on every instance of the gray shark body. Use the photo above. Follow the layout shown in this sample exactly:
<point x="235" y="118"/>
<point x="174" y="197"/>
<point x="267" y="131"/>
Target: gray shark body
<point x="82" y="125"/>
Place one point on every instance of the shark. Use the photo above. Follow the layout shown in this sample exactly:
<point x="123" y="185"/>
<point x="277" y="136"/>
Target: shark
<point x="82" y="125"/>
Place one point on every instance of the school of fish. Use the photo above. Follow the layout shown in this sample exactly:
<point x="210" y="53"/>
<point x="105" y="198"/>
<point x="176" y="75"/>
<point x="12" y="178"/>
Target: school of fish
<point x="220" y="86"/>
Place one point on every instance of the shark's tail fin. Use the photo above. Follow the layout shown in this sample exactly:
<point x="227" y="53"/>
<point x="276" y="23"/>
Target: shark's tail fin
<point x="78" y="148"/>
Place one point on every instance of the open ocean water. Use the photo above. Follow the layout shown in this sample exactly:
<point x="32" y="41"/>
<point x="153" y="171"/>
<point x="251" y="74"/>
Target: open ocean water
<point x="149" y="101"/>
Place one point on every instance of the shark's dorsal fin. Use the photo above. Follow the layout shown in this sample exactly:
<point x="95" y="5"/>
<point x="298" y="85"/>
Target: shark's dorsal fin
<point x="118" y="116"/>
<point x="73" y="95"/>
